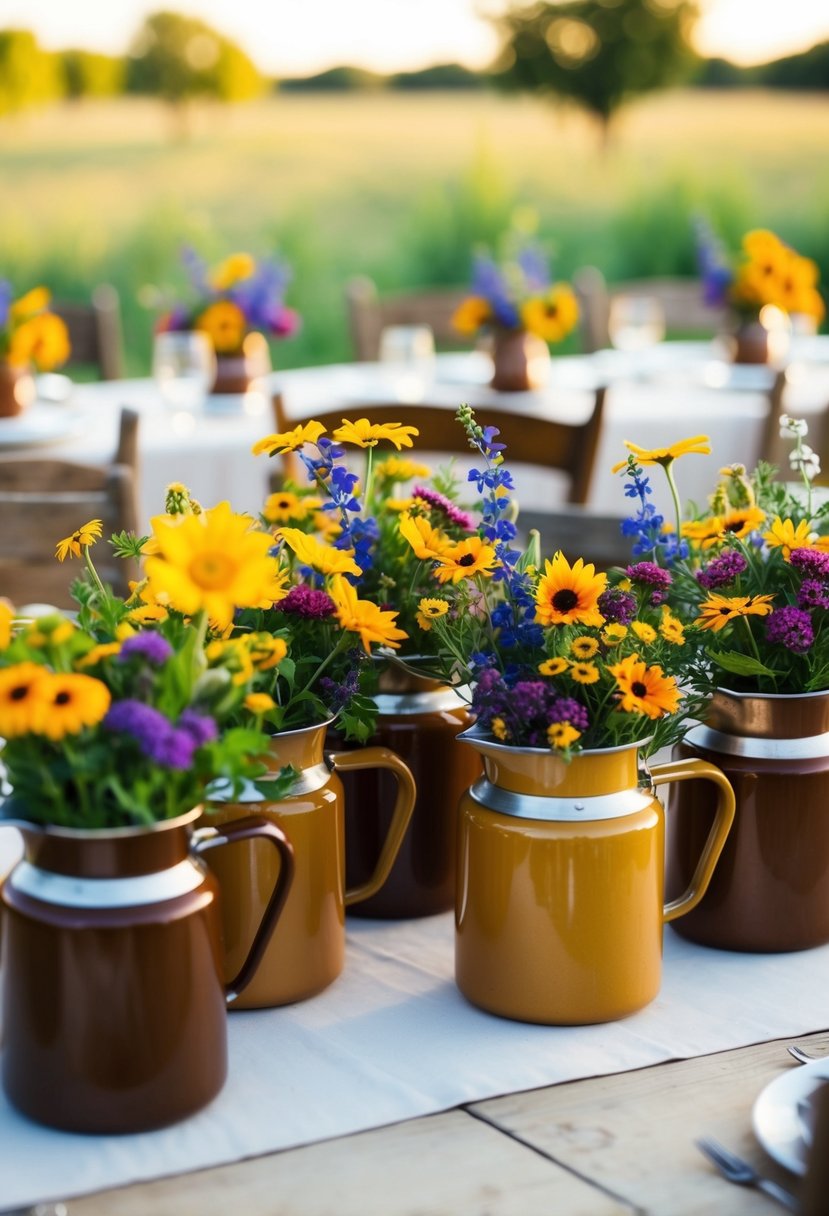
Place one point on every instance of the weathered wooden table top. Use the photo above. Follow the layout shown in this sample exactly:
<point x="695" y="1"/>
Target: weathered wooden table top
<point x="605" y="1145"/>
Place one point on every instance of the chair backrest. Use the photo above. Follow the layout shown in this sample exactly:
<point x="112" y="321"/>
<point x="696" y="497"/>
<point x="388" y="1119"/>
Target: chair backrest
<point x="44" y="500"/>
<point x="369" y="314"/>
<point x="95" y="332"/>
<point x="681" y="302"/>
<point x="567" y="447"/>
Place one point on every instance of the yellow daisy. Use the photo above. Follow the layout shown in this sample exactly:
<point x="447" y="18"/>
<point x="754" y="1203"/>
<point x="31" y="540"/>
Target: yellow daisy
<point x="232" y="270"/>
<point x="561" y="735"/>
<point x="225" y="325"/>
<point x="259" y="703"/>
<point x="552" y="316"/>
<point x="553" y="667"/>
<point x="718" y="610"/>
<point x="87" y="534"/>
<point x="584" y="648"/>
<point x="784" y="535"/>
<point x="289" y="441"/>
<point x="374" y="624"/>
<point x="466" y="559"/>
<point x="72" y="701"/>
<point x="697" y="444"/>
<point x="584" y="673"/>
<point x="471" y="314"/>
<point x="398" y="468"/>
<point x="22" y="707"/>
<point x="6" y="618"/>
<point x="613" y="634"/>
<point x="568" y="595"/>
<point x="426" y="541"/>
<point x="428" y="610"/>
<point x="367" y="434"/>
<point x="104" y="651"/>
<point x="284" y="505"/>
<point x="311" y="552"/>
<point x="645" y="632"/>
<point x="645" y="690"/>
<point x="671" y="627"/>
<point x="499" y="728"/>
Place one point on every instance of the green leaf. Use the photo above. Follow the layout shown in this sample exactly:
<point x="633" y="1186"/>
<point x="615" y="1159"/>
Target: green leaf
<point x="740" y="664"/>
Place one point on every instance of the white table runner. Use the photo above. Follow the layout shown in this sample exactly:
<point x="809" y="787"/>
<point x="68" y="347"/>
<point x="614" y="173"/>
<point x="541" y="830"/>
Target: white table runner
<point x="393" y="1039"/>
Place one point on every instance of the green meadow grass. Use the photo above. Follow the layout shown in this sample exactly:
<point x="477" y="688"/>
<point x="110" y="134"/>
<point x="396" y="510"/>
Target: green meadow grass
<point x="400" y="187"/>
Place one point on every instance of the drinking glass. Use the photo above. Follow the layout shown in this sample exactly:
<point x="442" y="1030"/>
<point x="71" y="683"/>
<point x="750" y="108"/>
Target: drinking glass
<point x="635" y="322"/>
<point x="184" y="367"/>
<point x="412" y="344"/>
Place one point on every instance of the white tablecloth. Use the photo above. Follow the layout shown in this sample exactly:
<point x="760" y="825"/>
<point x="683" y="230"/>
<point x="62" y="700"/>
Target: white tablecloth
<point x="656" y="397"/>
<point x="392" y="1038"/>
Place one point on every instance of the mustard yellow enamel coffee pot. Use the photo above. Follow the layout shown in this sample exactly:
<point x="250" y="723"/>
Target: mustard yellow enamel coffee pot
<point x="559" y="907"/>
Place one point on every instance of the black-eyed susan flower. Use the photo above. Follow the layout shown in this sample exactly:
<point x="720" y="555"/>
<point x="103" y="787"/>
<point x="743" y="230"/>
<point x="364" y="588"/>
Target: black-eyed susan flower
<point x="310" y="552"/>
<point x="71" y="702"/>
<point x="426" y="541"/>
<point x="561" y="735"/>
<point x="584" y="673"/>
<point x="429" y="610"/>
<point x="22" y="703"/>
<point x="671" y="627"/>
<point x="719" y="610"/>
<point x="614" y="633"/>
<point x="6" y="618"/>
<point x="645" y="632"/>
<point x="376" y="626"/>
<point x="568" y="595"/>
<point x="784" y="535"/>
<point x="584" y="647"/>
<point x="284" y="505"/>
<point x="289" y="441"/>
<point x="465" y="559"/>
<point x="225" y="325"/>
<point x="553" y="667"/>
<point x="697" y="444"/>
<point x="73" y="545"/>
<point x="552" y="316"/>
<point x="645" y="690"/>
<point x="367" y="434"/>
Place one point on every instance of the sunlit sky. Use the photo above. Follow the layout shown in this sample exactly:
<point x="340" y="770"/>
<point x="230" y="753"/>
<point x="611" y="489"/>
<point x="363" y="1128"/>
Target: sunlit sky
<point x="292" y="37"/>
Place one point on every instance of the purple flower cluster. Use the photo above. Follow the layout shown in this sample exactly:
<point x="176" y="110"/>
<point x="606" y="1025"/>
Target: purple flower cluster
<point x="813" y="593"/>
<point x="441" y="503"/>
<point x="149" y="646"/>
<point x="813" y="563"/>
<point x="791" y="627"/>
<point x="169" y="745"/>
<point x="616" y="606"/>
<point x="648" y="574"/>
<point x="260" y="296"/>
<point x="527" y="708"/>
<point x="530" y="270"/>
<point x="307" y="602"/>
<point x="722" y="570"/>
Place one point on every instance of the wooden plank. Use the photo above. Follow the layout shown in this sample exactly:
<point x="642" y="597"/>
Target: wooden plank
<point x="442" y="1165"/>
<point x="633" y="1133"/>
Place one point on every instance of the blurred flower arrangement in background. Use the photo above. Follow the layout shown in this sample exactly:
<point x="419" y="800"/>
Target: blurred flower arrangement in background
<point x="767" y="272"/>
<point x="30" y="334"/>
<point x="515" y="291"/>
<point x="751" y="571"/>
<point x="237" y="297"/>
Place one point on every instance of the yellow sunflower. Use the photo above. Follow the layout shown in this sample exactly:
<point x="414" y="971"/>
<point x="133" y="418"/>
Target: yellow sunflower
<point x="22" y="705"/>
<point x="466" y="559"/>
<point x="584" y="647"/>
<point x="561" y="735"/>
<point x="552" y="316"/>
<point x="72" y="701"/>
<point x="87" y="534"/>
<point x="471" y="314"/>
<point x="553" y="667"/>
<point x="367" y="434"/>
<point x="266" y="651"/>
<point x="697" y="444"/>
<point x="374" y="624"/>
<point x="671" y="627"/>
<point x="613" y="634"/>
<point x="232" y="270"/>
<point x="6" y="618"/>
<point x="584" y="673"/>
<point x="784" y="535"/>
<point x="428" y="610"/>
<point x="216" y="561"/>
<point x="718" y="610"/>
<point x="568" y="595"/>
<point x="645" y="632"/>
<point x="259" y="703"/>
<point x="310" y="552"/>
<point x="284" y="505"/>
<point x="645" y="690"/>
<point x="426" y="541"/>
<point x="398" y="468"/>
<point x="103" y="651"/>
<point x="42" y="340"/>
<point x="289" y="441"/>
<point x="225" y="325"/>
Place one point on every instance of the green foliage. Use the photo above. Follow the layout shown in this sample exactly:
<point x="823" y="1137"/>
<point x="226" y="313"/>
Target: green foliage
<point x="599" y="54"/>
<point x="86" y="74"/>
<point x="439" y="76"/>
<point x="179" y="58"/>
<point x="334" y="80"/>
<point x="28" y="75"/>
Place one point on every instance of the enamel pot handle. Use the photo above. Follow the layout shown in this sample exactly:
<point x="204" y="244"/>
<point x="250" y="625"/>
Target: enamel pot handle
<point x="381" y="757"/>
<point x="690" y="770"/>
<point x="253" y="828"/>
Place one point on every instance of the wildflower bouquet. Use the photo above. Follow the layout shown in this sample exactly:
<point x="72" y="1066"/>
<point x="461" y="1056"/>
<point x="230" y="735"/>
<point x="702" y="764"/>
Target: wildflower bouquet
<point x="238" y="297"/>
<point x="766" y="273"/>
<point x="31" y="335"/>
<point x="559" y="656"/>
<point x="752" y="571"/>
<point x="516" y="293"/>
<point x="114" y="719"/>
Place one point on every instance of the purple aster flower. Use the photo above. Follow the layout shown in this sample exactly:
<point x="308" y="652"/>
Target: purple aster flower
<point x="441" y="503"/>
<point x="151" y="731"/>
<point x="813" y="593"/>
<point x="150" y="646"/>
<point x="307" y="602"/>
<point x="792" y="628"/>
<point x="814" y="563"/>
<point x="201" y="728"/>
<point x="650" y="575"/>
<point x="174" y="749"/>
<point x="617" y="606"/>
<point x="722" y="570"/>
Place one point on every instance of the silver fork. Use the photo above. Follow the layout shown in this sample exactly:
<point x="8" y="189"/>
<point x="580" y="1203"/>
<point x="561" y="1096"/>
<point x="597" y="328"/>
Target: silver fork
<point x="802" y="1057"/>
<point x="735" y="1169"/>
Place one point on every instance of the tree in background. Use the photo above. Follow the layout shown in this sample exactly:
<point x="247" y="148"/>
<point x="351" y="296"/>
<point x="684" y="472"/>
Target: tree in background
<point x="28" y="74"/>
<point x="599" y="53"/>
<point x="181" y="58"/>
<point x="88" y="74"/>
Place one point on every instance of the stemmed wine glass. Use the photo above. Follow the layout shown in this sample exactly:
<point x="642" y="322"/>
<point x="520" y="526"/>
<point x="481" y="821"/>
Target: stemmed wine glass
<point x="184" y="368"/>
<point x="636" y="322"/>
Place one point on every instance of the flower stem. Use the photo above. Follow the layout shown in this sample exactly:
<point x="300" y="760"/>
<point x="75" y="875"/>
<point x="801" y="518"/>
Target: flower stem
<point x="93" y="573"/>
<point x="669" y="473"/>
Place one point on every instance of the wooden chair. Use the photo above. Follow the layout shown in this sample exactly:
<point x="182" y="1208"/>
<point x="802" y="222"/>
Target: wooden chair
<point x="95" y="332"/>
<point x="569" y="448"/>
<point x="681" y="303"/>
<point x="44" y="500"/>
<point x="368" y="315"/>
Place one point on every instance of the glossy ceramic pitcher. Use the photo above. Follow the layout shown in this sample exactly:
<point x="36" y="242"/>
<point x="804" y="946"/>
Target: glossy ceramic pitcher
<point x="114" y="1003"/>
<point x="559" y="908"/>
<point x="307" y="951"/>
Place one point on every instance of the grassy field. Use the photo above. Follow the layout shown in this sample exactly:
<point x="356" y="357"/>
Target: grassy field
<point x="396" y="186"/>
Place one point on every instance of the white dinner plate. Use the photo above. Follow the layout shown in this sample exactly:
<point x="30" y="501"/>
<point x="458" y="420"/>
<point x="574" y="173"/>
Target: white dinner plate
<point x="781" y="1114"/>
<point x="40" y="424"/>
